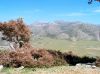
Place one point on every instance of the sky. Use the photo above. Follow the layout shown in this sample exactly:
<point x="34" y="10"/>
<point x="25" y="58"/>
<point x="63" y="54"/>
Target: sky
<point x="50" y="10"/>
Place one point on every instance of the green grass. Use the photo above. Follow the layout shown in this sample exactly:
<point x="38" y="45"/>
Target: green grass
<point x="52" y="70"/>
<point x="34" y="70"/>
<point x="90" y="48"/>
<point x="17" y="71"/>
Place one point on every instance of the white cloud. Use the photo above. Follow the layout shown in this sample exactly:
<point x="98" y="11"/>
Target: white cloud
<point x="73" y="14"/>
<point x="97" y="11"/>
<point x="76" y="14"/>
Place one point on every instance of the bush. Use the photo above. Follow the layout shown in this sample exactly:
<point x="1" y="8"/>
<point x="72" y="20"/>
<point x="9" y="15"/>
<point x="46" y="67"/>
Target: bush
<point x="98" y="62"/>
<point x="27" y="56"/>
<point x="74" y="59"/>
<point x="58" y="57"/>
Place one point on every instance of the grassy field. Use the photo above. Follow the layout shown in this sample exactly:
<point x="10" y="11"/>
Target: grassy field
<point x="53" y="70"/>
<point x="90" y="48"/>
<point x="81" y="48"/>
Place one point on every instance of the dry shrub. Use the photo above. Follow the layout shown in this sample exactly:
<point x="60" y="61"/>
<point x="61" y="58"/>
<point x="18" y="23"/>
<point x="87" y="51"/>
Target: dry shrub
<point x="42" y="57"/>
<point x="98" y="62"/>
<point x="58" y="57"/>
<point x="20" y="58"/>
<point x="15" y="31"/>
<point x="4" y="58"/>
<point x="29" y="57"/>
<point x="74" y="59"/>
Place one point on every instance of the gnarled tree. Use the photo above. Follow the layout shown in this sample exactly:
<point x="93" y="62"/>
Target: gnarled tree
<point x="15" y="31"/>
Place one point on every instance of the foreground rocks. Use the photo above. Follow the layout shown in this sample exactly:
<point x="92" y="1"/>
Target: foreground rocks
<point x="88" y="65"/>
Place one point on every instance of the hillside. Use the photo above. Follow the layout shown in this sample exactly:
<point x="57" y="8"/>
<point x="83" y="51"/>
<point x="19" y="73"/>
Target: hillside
<point x="66" y="30"/>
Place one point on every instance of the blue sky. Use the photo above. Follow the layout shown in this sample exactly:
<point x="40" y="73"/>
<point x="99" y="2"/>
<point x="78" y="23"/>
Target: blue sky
<point x="50" y="10"/>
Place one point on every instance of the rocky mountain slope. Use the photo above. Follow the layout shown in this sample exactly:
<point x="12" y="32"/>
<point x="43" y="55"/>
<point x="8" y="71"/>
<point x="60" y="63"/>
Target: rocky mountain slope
<point x="66" y="30"/>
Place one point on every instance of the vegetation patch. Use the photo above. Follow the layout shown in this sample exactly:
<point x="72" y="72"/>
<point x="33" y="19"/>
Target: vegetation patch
<point x="30" y="57"/>
<point x="23" y="54"/>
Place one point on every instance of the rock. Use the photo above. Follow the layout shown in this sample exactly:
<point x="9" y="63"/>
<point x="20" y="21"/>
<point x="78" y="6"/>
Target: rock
<point x="88" y="66"/>
<point x="20" y="68"/>
<point x="93" y="66"/>
<point x="1" y="67"/>
<point x="79" y="64"/>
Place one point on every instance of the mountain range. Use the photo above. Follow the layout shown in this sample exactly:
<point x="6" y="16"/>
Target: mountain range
<point x="66" y="30"/>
